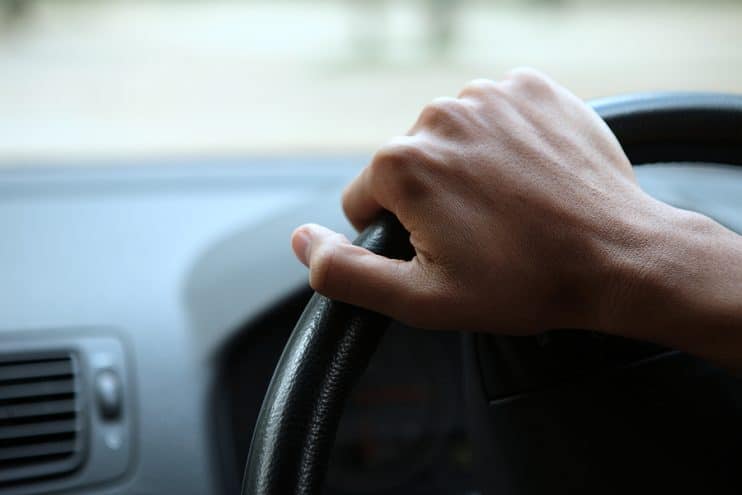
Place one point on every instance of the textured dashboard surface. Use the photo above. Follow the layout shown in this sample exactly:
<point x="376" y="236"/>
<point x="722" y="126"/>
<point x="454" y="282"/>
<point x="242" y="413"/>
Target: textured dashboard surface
<point x="178" y="256"/>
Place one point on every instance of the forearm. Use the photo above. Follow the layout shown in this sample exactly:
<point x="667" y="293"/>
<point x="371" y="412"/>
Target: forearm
<point x="684" y="289"/>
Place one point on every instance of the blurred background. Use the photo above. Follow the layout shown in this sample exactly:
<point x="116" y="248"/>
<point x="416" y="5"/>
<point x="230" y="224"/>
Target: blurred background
<point x="84" y="81"/>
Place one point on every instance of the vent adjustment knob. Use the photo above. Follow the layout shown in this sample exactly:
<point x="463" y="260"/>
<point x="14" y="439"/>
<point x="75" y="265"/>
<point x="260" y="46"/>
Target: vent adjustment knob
<point x="108" y="394"/>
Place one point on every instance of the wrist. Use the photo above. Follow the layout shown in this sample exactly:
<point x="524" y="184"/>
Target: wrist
<point x="678" y="283"/>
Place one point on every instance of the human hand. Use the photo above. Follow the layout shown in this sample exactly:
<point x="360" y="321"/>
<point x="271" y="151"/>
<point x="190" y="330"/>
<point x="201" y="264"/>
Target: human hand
<point x="522" y="208"/>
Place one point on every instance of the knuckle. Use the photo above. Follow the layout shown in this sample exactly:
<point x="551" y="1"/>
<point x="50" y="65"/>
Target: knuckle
<point x="441" y="110"/>
<point x="321" y="265"/>
<point x="400" y="169"/>
<point x="530" y="79"/>
<point x="478" y="88"/>
<point x="395" y="157"/>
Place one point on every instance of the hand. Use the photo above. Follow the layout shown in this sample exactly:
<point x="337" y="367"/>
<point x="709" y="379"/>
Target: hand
<point x="525" y="215"/>
<point x="517" y="197"/>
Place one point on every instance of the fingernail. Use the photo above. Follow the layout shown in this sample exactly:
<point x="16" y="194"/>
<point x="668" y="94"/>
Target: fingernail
<point x="302" y="245"/>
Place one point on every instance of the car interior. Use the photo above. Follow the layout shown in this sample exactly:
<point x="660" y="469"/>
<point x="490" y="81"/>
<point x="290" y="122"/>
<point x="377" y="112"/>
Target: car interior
<point x="158" y="336"/>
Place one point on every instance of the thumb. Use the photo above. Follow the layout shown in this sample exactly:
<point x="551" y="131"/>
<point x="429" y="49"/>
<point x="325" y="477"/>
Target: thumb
<point x="355" y="275"/>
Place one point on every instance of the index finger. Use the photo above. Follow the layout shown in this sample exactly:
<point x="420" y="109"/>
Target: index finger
<point x="385" y="183"/>
<point x="359" y="203"/>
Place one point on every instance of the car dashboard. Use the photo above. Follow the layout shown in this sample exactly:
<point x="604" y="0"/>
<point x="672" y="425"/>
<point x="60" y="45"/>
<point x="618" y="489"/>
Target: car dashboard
<point x="145" y="305"/>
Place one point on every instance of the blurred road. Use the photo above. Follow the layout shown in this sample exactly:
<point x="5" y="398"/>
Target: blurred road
<point x="83" y="80"/>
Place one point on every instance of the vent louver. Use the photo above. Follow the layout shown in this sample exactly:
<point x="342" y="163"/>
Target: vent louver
<point x="41" y="418"/>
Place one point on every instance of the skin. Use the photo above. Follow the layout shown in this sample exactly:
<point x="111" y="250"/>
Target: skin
<point x="525" y="215"/>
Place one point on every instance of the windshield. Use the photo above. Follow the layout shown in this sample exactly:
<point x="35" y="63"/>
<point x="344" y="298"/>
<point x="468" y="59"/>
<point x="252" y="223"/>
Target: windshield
<point x="86" y="80"/>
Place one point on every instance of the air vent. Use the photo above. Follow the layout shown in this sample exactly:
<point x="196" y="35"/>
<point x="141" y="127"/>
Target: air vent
<point x="41" y="420"/>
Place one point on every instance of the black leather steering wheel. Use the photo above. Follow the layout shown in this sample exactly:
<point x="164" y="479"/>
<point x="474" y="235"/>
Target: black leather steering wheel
<point x="333" y="342"/>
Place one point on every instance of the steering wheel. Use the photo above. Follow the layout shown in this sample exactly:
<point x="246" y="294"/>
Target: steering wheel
<point x="333" y="342"/>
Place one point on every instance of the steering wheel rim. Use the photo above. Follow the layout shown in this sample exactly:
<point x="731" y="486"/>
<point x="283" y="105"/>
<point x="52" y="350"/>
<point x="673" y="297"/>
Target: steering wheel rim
<point x="333" y="342"/>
